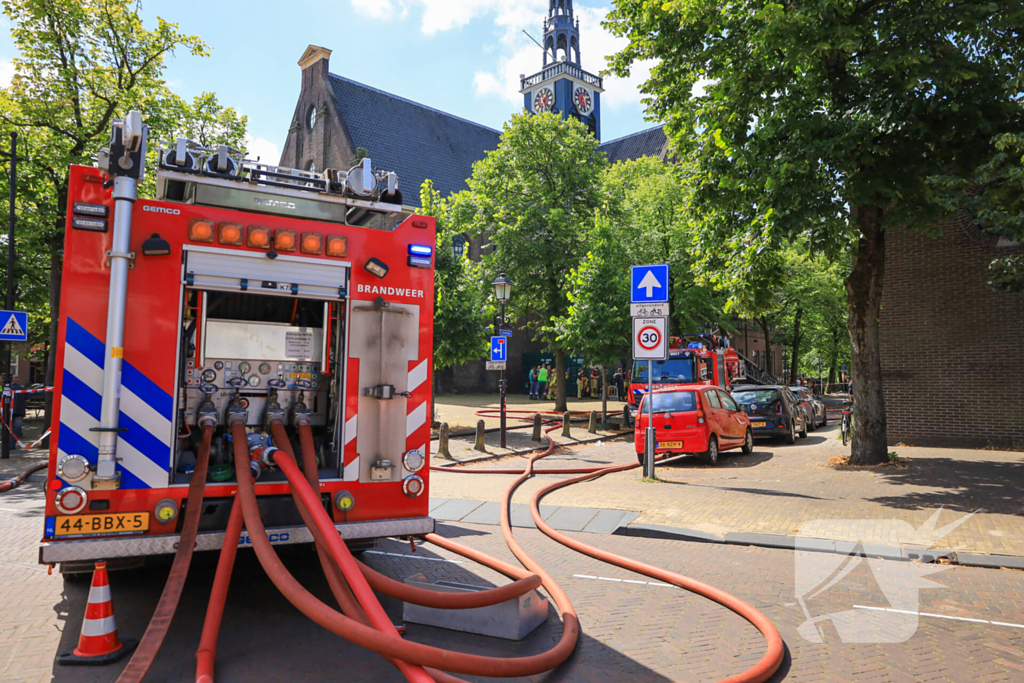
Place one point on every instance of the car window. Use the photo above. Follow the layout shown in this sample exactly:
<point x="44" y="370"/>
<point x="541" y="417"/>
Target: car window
<point x="728" y="402"/>
<point x="675" y="402"/>
<point x="713" y="399"/>
<point x="745" y="398"/>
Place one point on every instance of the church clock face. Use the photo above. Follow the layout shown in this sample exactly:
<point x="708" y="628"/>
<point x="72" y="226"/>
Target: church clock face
<point x="543" y="100"/>
<point x="584" y="102"/>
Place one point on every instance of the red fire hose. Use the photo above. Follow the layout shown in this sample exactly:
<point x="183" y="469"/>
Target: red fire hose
<point x="774" y="650"/>
<point x="164" y="613"/>
<point x="12" y="484"/>
<point x="207" y="653"/>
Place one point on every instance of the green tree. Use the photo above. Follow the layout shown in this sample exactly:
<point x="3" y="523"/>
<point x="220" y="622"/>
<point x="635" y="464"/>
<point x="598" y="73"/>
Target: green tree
<point x="462" y="311"/>
<point x="82" y="64"/>
<point x="824" y="121"/>
<point x="534" y="198"/>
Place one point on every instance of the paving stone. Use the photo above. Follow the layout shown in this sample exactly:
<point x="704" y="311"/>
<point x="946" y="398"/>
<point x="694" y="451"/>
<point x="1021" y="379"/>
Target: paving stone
<point x="436" y="503"/>
<point x="454" y="510"/>
<point x="605" y="522"/>
<point x="488" y="513"/>
<point x="521" y="516"/>
<point x="571" y="519"/>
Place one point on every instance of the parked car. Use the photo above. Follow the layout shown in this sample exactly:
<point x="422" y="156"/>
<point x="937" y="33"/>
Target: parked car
<point x="694" y="419"/>
<point x="772" y="411"/>
<point x="814" y="408"/>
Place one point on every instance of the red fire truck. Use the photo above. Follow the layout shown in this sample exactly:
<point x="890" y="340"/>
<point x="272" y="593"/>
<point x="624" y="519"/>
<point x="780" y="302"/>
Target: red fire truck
<point x="244" y="289"/>
<point x="694" y="359"/>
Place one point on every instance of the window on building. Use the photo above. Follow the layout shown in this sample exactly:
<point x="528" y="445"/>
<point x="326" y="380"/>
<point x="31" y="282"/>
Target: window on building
<point x="311" y="166"/>
<point x="311" y="116"/>
<point x="459" y="245"/>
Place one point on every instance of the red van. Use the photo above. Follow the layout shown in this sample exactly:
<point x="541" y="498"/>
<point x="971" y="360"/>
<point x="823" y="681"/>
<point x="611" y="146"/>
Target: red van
<point x="694" y="419"/>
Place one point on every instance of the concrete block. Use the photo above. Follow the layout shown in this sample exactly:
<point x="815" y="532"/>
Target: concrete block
<point x="674" y="533"/>
<point x="764" y="540"/>
<point x="992" y="561"/>
<point x="605" y="522"/>
<point x="436" y="503"/>
<point x="488" y="513"/>
<point x="512" y="620"/>
<point x="521" y="516"/>
<point x="455" y="509"/>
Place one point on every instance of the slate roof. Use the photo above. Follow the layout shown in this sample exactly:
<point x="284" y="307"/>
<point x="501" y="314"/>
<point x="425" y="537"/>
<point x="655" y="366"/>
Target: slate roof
<point x="651" y="142"/>
<point x="415" y="141"/>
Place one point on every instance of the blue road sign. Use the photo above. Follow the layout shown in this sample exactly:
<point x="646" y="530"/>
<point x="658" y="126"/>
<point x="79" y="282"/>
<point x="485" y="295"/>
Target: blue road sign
<point x="505" y="333"/>
<point x="499" y="349"/>
<point x="13" y="326"/>
<point x="649" y="284"/>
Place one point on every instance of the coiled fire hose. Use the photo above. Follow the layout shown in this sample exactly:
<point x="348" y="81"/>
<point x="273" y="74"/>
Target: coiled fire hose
<point x="12" y="484"/>
<point x="364" y="622"/>
<point x="143" y="657"/>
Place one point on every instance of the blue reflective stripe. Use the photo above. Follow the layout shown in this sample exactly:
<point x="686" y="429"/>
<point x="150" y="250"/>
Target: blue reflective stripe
<point x="79" y="393"/>
<point x="86" y="344"/>
<point x="147" y="390"/>
<point x="144" y="442"/>
<point x="74" y="444"/>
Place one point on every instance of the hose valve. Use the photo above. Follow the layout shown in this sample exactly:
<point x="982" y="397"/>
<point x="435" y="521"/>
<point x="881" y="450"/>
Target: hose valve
<point x="206" y="413"/>
<point x="274" y="412"/>
<point x="300" y="413"/>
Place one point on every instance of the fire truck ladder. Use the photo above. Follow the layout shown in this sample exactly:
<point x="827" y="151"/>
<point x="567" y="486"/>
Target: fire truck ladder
<point x="750" y="372"/>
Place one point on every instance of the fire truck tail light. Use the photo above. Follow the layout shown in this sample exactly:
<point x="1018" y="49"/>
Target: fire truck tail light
<point x="230" y="234"/>
<point x="258" y="238"/>
<point x="419" y="223"/>
<point x="412" y="485"/>
<point x="377" y="267"/>
<point x="285" y="240"/>
<point x="419" y="262"/>
<point x="421" y="250"/>
<point x="337" y="246"/>
<point x="71" y="500"/>
<point x="312" y="243"/>
<point x="200" y="230"/>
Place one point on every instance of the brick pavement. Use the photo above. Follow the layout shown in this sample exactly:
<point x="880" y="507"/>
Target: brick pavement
<point x="632" y="632"/>
<point x="783" y="490"/>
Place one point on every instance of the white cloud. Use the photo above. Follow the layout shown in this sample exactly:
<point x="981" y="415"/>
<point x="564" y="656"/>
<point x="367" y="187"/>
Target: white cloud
<point x="6" y="72"/>
<point x="381" y="9"/>
<point x="267" y="151"/>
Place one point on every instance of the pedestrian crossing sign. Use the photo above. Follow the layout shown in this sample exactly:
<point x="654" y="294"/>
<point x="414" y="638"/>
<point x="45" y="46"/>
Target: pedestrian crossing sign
<point x="15" y="326"/>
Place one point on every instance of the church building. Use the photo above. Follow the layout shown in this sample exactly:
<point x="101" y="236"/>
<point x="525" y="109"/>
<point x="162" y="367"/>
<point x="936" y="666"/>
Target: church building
<point x="338" y="120"/>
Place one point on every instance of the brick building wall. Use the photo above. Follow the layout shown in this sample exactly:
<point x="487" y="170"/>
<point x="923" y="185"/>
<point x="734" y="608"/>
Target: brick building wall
<point x="952" y="365"/>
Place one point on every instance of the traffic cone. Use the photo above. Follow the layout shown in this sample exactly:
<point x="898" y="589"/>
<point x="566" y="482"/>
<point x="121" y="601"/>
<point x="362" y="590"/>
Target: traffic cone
<point x="98" y="643"/>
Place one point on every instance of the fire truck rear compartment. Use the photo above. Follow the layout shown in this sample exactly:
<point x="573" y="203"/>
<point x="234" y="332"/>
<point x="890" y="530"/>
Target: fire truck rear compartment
<point x="257" y="347"/>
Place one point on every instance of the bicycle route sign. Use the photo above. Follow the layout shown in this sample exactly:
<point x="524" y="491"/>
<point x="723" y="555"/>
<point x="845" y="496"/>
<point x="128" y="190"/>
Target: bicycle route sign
<point x="650" y="338"/>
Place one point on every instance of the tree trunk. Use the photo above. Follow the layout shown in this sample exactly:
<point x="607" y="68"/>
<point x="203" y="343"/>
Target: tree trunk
<point x="864" y="289"/>
<point x="794" y="363"/>
<point x="560" y="388"/>
<point x="604" y="395"/>
<point x="769" y="357"/>
<point x="56" y="266"/>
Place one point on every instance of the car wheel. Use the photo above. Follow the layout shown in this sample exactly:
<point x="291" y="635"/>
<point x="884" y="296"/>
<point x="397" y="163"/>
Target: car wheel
<point x="748" y="443"/>
<point x="791" y="437"/>
<point x="812" y="422"/>
<point x="803" y="432"/>
<point x="824" y="419"/>
<point x="710" y="456"/>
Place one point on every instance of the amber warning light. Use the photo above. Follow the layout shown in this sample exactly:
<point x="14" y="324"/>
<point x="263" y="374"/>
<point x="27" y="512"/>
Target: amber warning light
<point x="284" y="240"/>
<point x="259" y="238"/>
<point x="230" y="234"/>
<point x="337" y="246"/>
<point x="200" y="230"/>
<point x="312" y="243"/>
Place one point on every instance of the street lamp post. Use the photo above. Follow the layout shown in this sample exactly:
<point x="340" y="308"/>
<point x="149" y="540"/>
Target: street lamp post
<point x="502" y="292"/>
<point x="5" y="448"/>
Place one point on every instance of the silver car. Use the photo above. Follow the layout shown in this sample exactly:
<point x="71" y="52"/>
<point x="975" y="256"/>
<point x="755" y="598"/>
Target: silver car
<point x="813" y="407"/>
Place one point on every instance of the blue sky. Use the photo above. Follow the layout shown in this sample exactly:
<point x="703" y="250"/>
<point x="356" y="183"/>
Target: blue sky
<point x="459" y="56"/>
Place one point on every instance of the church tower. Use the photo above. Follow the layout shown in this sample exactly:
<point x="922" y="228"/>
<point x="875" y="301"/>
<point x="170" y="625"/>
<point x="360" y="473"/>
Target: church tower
<point x="562" y="86"/>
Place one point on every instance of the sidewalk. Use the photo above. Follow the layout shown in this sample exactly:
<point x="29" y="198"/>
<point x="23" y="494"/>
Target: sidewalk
<point x="781" y="492"/>
<point x="459" y="411"/>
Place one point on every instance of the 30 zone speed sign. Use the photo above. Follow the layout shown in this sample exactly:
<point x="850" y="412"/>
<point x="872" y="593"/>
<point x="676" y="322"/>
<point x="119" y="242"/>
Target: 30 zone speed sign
<point x="650" y="340"/>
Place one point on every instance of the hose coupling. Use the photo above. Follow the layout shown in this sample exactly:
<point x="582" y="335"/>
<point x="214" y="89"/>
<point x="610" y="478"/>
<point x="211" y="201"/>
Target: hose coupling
<point x="237" y="413"/>
<point x="206" y="413"/>
<point x="300" y="415"/>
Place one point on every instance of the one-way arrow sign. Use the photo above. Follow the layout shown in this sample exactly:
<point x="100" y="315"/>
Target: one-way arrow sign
<point x="649" y="284"/>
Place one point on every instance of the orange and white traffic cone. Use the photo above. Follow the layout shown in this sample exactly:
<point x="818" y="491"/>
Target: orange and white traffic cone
<point x="98" y="643"/>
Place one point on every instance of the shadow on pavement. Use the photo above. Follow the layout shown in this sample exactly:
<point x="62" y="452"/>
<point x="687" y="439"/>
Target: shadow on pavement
<point x="264" y="638"/>
<point x="962" y="485"/>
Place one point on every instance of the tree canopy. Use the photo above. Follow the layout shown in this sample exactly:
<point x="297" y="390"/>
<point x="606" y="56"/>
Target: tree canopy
<point x="824" y="122"/>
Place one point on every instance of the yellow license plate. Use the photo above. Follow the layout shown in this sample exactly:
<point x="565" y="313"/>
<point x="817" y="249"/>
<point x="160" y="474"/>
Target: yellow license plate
<point x="102" y="525"/>
<point x="757" y="424"/>
<point x="670" y="444"/>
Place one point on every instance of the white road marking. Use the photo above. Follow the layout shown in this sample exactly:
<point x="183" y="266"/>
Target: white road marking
<point x="605" y="578"/>
<point x="415" y="557"/>
<point x="939" y="616"/>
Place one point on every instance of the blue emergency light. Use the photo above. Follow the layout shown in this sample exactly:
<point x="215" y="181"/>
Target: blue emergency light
<point x="695" y="345"/>
<point x="421" y="250"/>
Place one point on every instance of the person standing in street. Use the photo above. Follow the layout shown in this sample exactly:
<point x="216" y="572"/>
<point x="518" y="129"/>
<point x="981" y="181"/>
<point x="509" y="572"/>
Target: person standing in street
<point x="581" y="383"/>
<point x="552" y="383"/>
<point x="18" y="403"/>
<point x="533" y="383"/>
<point x="542" y="382"/>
